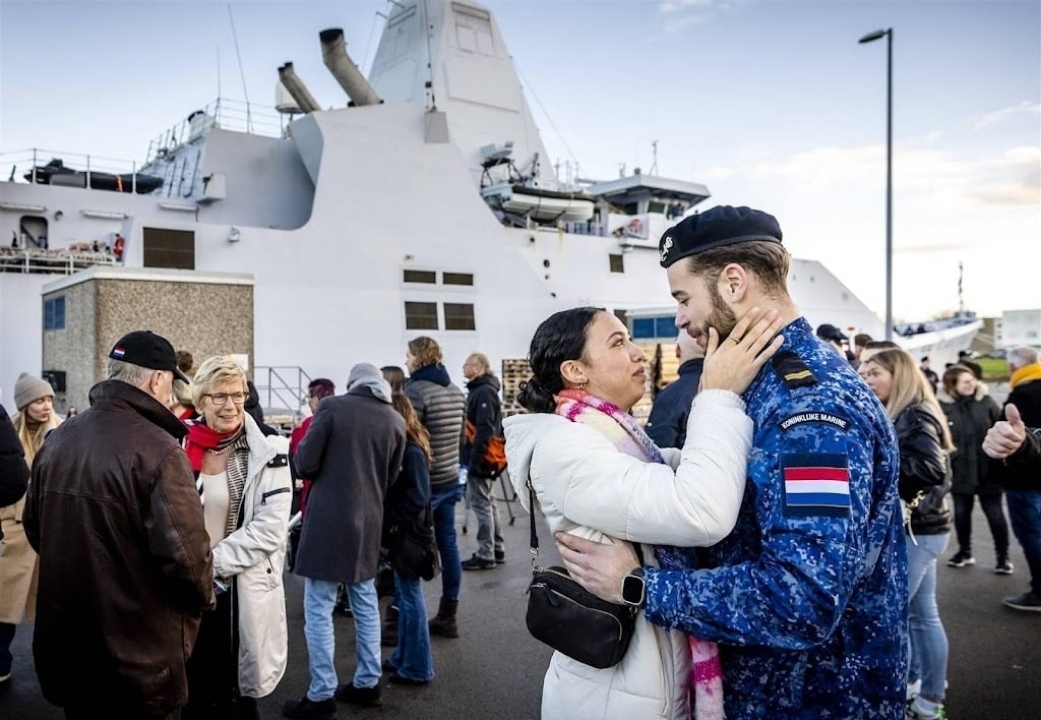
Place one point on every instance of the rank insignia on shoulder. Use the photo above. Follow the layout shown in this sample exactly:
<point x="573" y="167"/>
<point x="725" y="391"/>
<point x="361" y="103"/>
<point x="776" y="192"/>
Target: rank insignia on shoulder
<point x="815" y="484"/>
<point x="793" y="370"/>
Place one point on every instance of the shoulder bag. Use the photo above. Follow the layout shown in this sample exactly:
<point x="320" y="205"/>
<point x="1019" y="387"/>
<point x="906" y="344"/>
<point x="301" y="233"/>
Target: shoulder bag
<point x="572" y="620"/>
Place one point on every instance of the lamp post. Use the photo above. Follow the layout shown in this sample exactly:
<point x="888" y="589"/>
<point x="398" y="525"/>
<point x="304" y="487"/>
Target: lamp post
<point x="871" y="37"/>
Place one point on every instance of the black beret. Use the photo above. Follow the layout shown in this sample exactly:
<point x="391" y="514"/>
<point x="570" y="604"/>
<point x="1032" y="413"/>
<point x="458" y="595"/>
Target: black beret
<point x="716" y="227"/>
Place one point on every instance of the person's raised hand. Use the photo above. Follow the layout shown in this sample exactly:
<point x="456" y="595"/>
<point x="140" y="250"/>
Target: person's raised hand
<point x="1006" y="436"/>
<point x="733" y="363"/>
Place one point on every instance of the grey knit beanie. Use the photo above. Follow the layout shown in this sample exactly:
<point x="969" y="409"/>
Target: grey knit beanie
<point x="28" y="389"/>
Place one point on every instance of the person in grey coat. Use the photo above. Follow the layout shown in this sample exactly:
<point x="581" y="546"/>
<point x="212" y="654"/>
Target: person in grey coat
<point x="352" y="452"/>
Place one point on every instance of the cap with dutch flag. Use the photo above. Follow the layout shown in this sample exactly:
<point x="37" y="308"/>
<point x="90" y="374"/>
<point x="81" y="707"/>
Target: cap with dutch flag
<point x="146" y="349"/>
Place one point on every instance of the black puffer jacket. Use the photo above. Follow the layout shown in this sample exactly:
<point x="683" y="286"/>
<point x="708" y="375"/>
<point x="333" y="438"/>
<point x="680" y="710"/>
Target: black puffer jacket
<point x="484" y="411"/>
<point x="925" y="467"/>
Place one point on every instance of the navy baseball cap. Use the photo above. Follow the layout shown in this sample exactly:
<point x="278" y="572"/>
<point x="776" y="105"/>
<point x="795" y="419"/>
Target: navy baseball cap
<point x="145" y="348"/>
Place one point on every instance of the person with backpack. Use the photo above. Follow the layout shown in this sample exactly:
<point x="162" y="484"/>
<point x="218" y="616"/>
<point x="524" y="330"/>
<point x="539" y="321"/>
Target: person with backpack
<point x="483" y="454"/>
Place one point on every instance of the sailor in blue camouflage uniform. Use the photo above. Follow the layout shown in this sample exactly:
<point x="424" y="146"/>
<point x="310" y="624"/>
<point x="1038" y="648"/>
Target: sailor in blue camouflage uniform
<point x="807" y="597"/>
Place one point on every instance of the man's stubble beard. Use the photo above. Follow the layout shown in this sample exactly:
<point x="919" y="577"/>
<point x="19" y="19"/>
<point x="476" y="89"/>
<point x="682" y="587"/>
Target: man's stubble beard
<point x="722" y="318"/>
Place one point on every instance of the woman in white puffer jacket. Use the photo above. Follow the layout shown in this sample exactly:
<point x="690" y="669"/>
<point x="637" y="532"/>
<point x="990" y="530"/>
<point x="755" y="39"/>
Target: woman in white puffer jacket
<point x="596" y="474"/>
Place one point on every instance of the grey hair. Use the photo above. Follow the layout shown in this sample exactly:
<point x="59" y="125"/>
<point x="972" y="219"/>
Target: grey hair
<point x="129" y="373"/>
<point x="1021" y="356"/>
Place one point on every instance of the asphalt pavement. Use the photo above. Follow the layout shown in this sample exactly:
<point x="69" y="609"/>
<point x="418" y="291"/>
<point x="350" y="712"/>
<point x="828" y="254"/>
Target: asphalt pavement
<point x="495" y="669"/>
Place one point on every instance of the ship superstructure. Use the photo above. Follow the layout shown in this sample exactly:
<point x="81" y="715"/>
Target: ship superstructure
<point x="426" y="206"/>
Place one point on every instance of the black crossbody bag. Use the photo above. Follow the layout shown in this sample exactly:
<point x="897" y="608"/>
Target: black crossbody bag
<point x="570" y="619"/>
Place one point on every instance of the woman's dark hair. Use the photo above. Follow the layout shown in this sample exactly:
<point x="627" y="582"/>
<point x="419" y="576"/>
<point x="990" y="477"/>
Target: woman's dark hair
<point x="560" y="337"/>
<point x="395" y="376"/>
<point x="321" y="388"/>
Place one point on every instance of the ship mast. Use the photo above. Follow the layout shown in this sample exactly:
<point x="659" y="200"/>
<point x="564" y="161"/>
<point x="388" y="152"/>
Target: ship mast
<point x="961" y="297"/>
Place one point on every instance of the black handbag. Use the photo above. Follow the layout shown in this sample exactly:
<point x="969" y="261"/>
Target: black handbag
<point x="570" y="619"/>
<point x="413" y="548"/>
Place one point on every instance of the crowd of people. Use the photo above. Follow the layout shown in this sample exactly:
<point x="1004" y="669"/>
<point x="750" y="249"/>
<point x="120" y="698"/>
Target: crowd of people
<point x="776" y="525"/>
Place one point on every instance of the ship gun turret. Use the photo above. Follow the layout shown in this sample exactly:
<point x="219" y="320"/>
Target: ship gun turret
<point x="334" y="54"/>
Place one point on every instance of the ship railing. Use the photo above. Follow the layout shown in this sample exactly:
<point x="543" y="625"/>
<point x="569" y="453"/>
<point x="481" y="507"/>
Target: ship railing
<point x="58" y="262"/>
<point x="224" y="113"/>
<point x="283" y="392"/>
<point x="16" y="165"/>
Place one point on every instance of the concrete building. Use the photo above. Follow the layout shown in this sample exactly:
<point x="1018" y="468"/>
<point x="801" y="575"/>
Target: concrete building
<point x="85" y="313"/>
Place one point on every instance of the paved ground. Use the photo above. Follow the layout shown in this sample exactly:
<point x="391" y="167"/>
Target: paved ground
<point x="495" y="669"/>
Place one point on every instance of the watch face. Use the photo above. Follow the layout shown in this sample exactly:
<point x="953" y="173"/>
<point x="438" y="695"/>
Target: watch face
<point x="632" y="589"/>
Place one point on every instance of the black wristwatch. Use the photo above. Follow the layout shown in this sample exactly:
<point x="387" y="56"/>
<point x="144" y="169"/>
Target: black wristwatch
<point x="634" y="588"/>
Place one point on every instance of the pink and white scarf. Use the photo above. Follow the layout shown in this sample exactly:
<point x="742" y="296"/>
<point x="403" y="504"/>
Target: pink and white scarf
<point x="705" y="683"/>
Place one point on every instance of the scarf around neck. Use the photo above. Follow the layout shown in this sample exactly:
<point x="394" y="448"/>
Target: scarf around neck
<point x="201" y="438"/>
<point x="1027" y="373"/>
<point x="706" y="673"/>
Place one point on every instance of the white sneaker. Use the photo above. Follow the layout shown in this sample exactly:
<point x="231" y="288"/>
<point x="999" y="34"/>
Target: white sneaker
<point x="916" y="712"/>
<point x="913" y="689"/>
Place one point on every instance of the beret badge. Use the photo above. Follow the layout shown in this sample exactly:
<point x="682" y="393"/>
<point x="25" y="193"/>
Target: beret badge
<point x="666" y="245"/>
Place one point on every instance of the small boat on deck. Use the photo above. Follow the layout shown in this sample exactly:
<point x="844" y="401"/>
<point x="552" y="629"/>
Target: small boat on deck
<point x="56" y="173"/>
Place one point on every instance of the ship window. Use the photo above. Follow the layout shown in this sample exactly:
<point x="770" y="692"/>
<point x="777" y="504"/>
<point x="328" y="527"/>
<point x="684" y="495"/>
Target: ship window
<point x="420" y="316"/>
<point x="643" y="328"/>
<point x="453" y="278"/>
<point x="617" y="263"/>
<point x="656" y="207"/>
<point x="54" y="313"/>
<point x="459" y="316"/>
<point x="420" y="276"/>
<point x="169" y="248"/>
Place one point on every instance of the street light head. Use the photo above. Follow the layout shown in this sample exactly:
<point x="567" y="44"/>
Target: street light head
<point x="871" y="37"/>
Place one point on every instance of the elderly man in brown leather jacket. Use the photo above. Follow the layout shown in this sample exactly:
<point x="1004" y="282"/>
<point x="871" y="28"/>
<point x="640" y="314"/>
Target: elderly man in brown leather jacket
<point x="125" y="565"/>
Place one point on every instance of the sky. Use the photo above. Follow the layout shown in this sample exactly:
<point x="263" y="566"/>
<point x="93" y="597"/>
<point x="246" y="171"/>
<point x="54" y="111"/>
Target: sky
<point x="770" y="103"/>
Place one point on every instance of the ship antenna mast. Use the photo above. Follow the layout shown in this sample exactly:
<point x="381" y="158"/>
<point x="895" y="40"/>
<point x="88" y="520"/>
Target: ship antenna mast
<point x="242" y="73"/>
<point x="654" y="165"/>
<point x="961" y="297"/>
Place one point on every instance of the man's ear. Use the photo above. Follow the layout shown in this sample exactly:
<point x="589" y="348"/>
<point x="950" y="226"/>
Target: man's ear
<point x="572" y="373"/>
<point x="734" y="284"/>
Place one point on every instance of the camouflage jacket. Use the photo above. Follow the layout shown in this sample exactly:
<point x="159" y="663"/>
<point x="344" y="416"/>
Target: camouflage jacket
<point x="807" y="597"/>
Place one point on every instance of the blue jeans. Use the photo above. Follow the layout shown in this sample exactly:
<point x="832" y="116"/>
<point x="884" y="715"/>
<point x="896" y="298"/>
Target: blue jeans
<point x="319" y="599"/>
<point x="442" y="501"/>
<point x="927" y="637"/>
<point x="412" y="657"/>
<point x="1024" y="512"/>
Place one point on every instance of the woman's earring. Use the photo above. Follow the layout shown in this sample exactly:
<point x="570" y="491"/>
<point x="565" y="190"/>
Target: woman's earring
<point x="582" y="385"/>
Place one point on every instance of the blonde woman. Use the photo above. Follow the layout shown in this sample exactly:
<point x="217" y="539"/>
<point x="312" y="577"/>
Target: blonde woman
<point x="34" y="399"/>
<point x="925" y="480"/>
<point x="244" y="483"/>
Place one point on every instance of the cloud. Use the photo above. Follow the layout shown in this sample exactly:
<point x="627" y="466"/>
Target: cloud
<point x="1010" y="179"/>
<point x="682" y="14"/>
<point x="1027" y="107"/>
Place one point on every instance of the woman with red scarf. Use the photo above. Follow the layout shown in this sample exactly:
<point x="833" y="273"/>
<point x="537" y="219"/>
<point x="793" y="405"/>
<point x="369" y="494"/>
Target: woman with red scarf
<point x="246" y="493"/>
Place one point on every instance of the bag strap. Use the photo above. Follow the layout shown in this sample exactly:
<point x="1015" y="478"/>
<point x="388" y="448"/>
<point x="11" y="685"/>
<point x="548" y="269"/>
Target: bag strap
<point x="535" y="536"/>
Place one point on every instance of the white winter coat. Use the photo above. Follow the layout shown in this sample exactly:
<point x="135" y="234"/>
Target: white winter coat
<point x="255" y="555"/>
<point x="587" y="487"/>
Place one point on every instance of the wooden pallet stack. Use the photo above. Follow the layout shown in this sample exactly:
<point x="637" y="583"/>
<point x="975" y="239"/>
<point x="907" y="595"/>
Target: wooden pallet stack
<point x="514" y="372"/>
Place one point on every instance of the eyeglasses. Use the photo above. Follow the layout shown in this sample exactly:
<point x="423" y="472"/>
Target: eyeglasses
<point x="221" y="399"/>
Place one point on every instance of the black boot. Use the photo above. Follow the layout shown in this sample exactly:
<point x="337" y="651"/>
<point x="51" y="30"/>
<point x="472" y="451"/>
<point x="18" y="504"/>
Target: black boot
<point x="389" y="628"/>
<point x="444" y="623"/>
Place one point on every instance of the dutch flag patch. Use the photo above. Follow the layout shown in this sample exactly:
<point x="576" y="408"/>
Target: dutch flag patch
<point x="816" y="484"/>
